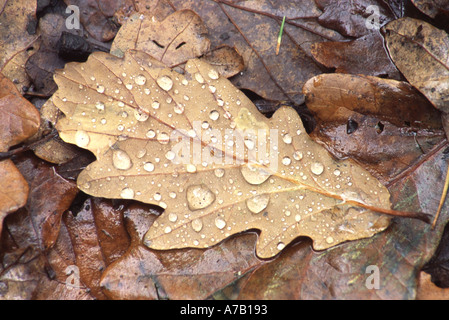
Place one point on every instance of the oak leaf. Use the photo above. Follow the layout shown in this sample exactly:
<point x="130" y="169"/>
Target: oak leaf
<point x="132" y="114"/>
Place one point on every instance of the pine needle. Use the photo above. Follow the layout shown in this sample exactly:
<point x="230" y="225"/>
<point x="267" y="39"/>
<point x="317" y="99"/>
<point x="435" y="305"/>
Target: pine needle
<point x="278" y="46"/>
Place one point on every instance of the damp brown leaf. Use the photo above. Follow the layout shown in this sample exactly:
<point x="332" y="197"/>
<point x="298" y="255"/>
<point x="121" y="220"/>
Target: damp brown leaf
<point x="421" y="52"/>
<point x="196" y="146"/>
<point x="19" y="120"/>
<point x="17" y="47"/>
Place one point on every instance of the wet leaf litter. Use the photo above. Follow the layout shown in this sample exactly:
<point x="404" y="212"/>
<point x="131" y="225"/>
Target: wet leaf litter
<point x="404" y="151"/>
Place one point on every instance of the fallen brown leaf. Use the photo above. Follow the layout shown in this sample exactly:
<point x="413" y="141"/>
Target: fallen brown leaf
<point x="421" y="53"/>
<point x="365" y="55"/>
<point x="19" y="120"/>
<point x="384" y="124"/>
<point x="135" y="158"/>
<point x="17" y="47"/>
<point x="252" y="27"/>
<point x="432" y="7"/>
<point x="179" y="37"/>
<point x="96" y="16"/>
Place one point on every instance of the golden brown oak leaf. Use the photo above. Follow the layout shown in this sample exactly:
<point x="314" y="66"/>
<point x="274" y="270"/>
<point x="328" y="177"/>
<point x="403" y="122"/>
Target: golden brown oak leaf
<point x="194" y="144"/>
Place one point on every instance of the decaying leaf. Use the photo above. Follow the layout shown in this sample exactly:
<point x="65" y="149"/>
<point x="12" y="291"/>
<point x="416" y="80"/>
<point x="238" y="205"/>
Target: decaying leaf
<point x="13" y="190"/>
<point x="350" y="17"/>
<point x="179" y="37"/>
<point x="252" y="27"/>
<point x="432" y="7"/>
<point x="95" y="16"/>
<point x="16" y="47"/>
<point x="19" y="120"/>
<point x="365" y="55"/>
<point x="384" y="124"/>
<point x="421" y="53"/>
<point x="138" y="117"/>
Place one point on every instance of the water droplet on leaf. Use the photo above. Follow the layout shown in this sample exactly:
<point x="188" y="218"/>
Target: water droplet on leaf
<point x="258" y="203"/>
<point x="317" y="168"/>
<point x="254" y="174"/>
<point x="82" y="138"/>
<point x="121" y="160"/>
<point x="165" y="82"/>
<point x="199" y="197"/>
<point x="197" y="225"/>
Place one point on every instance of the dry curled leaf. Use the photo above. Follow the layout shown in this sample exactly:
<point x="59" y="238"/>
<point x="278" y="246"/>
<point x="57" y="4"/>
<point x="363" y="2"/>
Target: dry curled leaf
<point x="136" y="116"/>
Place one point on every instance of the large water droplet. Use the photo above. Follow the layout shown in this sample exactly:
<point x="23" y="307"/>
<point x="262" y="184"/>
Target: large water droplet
<point x="280" y="245"/>
<point x="100" y="89"/>
<point x="148" y="167"/>
<point x="254" y="174"/>
<point x="287" y="138"/>
<point x="220" y="223"/>
<point x="150" y="134"/>
<point x="199" y="197"/>
<point x="297" y="155"/>
<point x="197" y="225"/>
<point x="127" y="193"/>
<point x="140" y="80"/>
<point x="214" y="115"/>
<point x="286" y="161"/>
<point x="317" y="168"/>
<point x="213" y="74"/>
<point x="199" y="77"/>
<point x="165" y="82"/>
<point x="258" y="203"/>
<point x="121" y="160"/>
<point x="172" y="217"/>
<point x="178" y="108"/>
<point x="163" y="138"/>
<point x="219" y="172"/>
<point x="140" y="116"/>
<point x="99" y="105"/>
<point x="82" y="138"/>
<point x="191" y="168"/>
